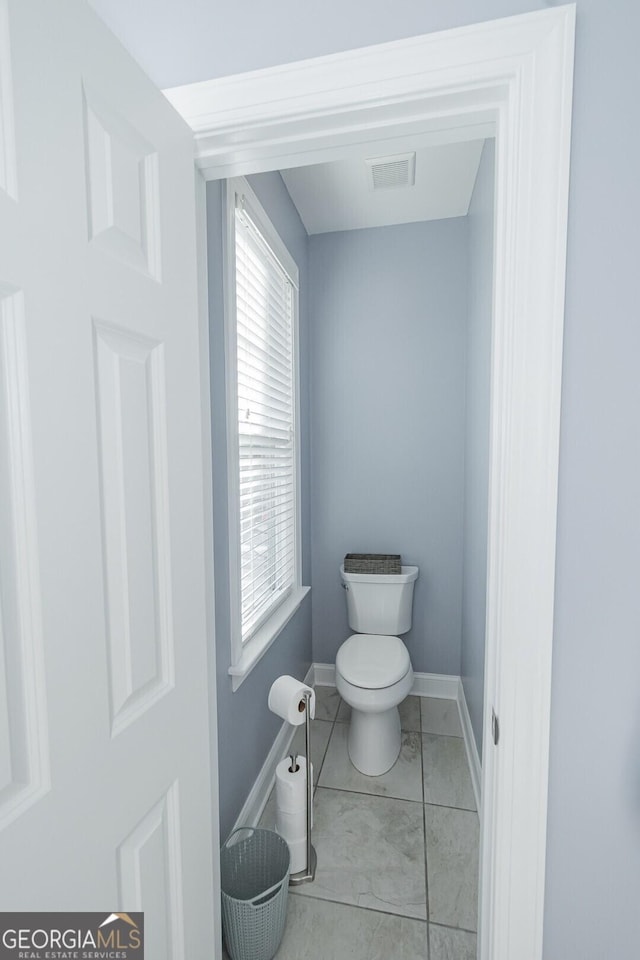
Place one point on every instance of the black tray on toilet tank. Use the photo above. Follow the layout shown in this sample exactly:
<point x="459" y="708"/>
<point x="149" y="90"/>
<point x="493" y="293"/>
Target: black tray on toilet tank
<point x="384" y="563"/>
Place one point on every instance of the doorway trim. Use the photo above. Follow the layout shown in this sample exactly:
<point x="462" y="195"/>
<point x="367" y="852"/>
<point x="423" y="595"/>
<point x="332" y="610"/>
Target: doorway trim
<point x="512" y="78"/>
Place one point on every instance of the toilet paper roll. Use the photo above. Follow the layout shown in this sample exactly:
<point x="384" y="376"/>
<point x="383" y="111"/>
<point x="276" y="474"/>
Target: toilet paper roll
<point x="286" y="699"/>
<point x="291" y="787"/>
<point x="298" y="853"/>
<point x="291" y="809"/>
<point x="292" y="826"/>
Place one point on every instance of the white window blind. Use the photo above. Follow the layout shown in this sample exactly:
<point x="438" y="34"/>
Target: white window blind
<point x="266" y="425"/>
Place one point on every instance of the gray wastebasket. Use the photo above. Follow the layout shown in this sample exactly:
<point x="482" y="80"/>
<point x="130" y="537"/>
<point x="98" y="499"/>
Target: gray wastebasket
<point x="254" y="874"/>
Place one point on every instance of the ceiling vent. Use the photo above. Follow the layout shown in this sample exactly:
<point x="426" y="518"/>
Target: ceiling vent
<point x="396" y="171"/>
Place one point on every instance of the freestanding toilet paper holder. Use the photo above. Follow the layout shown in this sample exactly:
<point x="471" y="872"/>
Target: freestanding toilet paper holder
<point x="308" y="875"/>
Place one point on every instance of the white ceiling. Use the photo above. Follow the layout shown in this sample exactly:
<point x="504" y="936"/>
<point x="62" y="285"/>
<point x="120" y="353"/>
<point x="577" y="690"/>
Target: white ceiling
<point x="340" y="196"/>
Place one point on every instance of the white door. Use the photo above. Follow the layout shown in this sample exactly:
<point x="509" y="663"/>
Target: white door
<point x="105" y="799"/>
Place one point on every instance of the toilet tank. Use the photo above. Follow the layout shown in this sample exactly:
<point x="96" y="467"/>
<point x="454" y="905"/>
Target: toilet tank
<point x="380" y="603"/>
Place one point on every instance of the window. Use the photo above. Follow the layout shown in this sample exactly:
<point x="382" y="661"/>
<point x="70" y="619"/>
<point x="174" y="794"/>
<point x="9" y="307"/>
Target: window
<point x="262" y="426"/>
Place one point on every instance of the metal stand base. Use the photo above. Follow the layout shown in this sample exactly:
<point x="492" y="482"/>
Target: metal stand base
<point x="305" y="876"/>
<point x="308" y="875"/>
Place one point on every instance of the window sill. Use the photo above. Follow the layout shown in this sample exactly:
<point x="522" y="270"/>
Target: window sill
<point x="256" y="648"/>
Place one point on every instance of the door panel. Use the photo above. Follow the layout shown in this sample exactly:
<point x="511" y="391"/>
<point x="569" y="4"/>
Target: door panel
<point x="8" y="179"/>
<point x="149" y="870"/>
<point x="122" y="187"/>
<point x="105" y="799"/>
<point x="131" y="399"/>
<point x="24" y="763"/>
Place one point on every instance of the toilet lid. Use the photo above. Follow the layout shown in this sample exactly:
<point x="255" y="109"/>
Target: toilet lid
<point x="371" y="661"/>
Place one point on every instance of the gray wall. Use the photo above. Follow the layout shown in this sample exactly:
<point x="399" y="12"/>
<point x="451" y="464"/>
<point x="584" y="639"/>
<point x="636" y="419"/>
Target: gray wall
<point x="593" y="851"/>
<point x="387" y="313"/>
<point x="593" y="860"/>
<point x="476" y="460"/>
<point x="181" y="41"/>
<point x="246" y="728"/>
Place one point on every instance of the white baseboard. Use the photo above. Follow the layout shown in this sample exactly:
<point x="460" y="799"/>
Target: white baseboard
<point x="424" y="684"/>
<point x="441" y="686"/>
<point x="473" y="756"/>
<point x="324" y="674"/>
<point x="259" y="793"/>
<point x="437" y="685"/>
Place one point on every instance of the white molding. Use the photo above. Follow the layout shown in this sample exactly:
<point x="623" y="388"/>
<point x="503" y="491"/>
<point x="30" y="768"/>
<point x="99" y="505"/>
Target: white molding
<point x="255" y="803"/>
<point x="532" y="187"/>
<point x="518" y="73"/>
<point x="314" y="110"/>
<point x="231" y="428"/>
<point x="324" y="674"/>
<point x="261" y="789"/>
<point x="268" y="633"/>
<point x="473" y="757"/>
<point x="439" y="685"/>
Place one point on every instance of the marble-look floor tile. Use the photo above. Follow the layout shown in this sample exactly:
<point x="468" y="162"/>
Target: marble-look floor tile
<point x="403" y="780"/>
<point x="440" y="716"/>
<point x="448" y="944"/>
<point x="446" y="774"/>
<point x="452" y="866"/>
<point x="370" y="852"/>
<point x="409" y="713"/>
<point x="327" y="703"/>
<point x="319" y="930"/>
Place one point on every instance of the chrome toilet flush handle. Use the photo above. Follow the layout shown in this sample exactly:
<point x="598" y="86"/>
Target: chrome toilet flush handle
<point x="345" y="586"/>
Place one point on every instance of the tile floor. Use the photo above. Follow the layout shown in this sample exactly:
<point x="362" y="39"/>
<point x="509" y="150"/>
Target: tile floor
<point x="397" y="854"/>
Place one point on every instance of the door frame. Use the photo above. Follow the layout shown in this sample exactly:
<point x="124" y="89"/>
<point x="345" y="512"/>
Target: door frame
<point x="209" y="578"/>
<point x="512" y="78"/>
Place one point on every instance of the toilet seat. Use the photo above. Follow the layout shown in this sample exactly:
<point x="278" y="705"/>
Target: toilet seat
<point x="371" y="661"/>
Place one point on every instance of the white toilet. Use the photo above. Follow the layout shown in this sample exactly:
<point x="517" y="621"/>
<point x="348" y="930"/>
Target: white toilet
<point x="373" y="667"/>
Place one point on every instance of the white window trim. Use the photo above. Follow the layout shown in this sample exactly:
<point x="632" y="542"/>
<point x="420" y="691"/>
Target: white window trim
<point x="245" y="656"/>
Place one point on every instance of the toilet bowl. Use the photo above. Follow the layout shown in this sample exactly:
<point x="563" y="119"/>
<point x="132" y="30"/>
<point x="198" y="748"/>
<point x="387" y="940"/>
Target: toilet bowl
<point x="373" y="667"/>
<point x="374" y="675"/>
